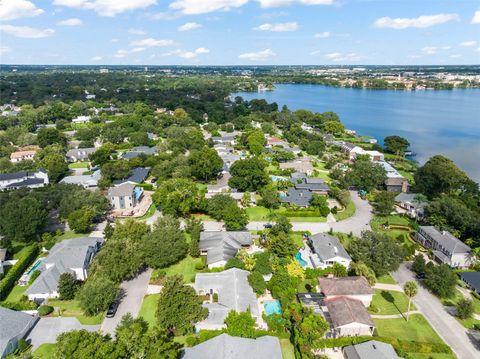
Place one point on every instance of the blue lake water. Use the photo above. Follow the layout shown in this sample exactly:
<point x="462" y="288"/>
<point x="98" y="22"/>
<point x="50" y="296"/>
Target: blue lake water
<point x="435" y="122"/>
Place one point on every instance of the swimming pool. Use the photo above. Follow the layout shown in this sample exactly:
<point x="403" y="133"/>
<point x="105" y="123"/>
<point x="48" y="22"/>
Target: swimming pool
<point x="272" y="307"/>
<point x="300" y="260"/>
<point x="277" y="178"/>
<point x="34" y="267"/>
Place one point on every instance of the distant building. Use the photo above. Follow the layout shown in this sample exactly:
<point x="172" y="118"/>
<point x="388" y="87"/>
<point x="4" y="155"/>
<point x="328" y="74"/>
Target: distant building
<point x="125" y="196"/>
<point x="315" y="185"/>
<point x="137" y="151"/>
<point x="353" y="151"/>
<point x="86" y="181"/>
<point x="220" y="246"/>
<point x="80" y="154"/>
<point x="446" y="248"/>
<point x="12" y="181"/>
<point x="81" y="119"/>
<point x="372" y="349"/>
<point x="20" y="156"/>
<point x="225" y="346"/>
<point x="352" y="287"/>
<point x="69" y="256"/>
<point x="303" y="164"/>
<point x="410" y="203"/>
<point x="227" y="139"/>
<point x="395" y="182"/>
<point x="15" y="325"/>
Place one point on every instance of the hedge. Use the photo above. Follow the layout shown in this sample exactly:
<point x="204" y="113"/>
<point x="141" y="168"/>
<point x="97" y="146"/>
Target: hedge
<point x="146" y="186"/>
<point x="19" y="306"/>
<point x="301" y="214"/>
<point x="8" y="282"/>
<point x="45" y="310"/>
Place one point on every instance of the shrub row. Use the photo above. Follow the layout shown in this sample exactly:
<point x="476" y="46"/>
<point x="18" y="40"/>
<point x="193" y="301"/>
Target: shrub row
<point x="8" y="282"/>
<point x="146" y="186"/>
<point x="301" y="214"/>
<point x="19" y="306"/>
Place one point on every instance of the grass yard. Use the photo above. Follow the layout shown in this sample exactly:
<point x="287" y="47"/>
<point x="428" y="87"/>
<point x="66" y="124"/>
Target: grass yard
<point x="468" y="323"/>
<point x="298" y="238"/>
<point x="347" y="212"/>
<point x="78" y="165"/>
<point x="431" y="356"/>
<point x="390" y="302"/>
<point x="148" y="309"/>
<point x="408" y="176"/>
<point x="71" y="308"/>
<point x="287" y="349"/>
<point x="450" y="302"/>
<point x="16" y="293"/>
<point x="416" y="329"/>
<point x="386" y="279"/>
<point x="45" y="351"/>
<point x="186" y="268"/>
<point x="150" y="212"/>
<point x="259" y="213"/>
<point x="70" y="235"/>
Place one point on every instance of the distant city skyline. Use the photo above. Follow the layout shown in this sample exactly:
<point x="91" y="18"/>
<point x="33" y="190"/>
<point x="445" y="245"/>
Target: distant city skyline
<point x="240" y="32"/>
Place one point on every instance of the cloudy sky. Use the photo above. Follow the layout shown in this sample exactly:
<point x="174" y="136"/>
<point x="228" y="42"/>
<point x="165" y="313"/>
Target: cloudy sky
<point x="228" y="32"/>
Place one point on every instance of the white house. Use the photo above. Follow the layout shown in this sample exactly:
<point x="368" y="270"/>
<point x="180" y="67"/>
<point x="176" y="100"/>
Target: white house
<point x="81" y="119"/>
<point x="125" y="196"/>
<point x="20" y="156"/>
<point x="16" y="180"/>
<point x="323" y="250"/>
<point x="352" y="287"/>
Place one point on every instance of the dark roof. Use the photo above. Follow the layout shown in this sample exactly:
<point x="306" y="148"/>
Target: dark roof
<point x="370" y="350"/>
<point x="327" y="247"/>
<point x="139" y="174"/>
<point x="300" y="197"/>
<point x="13" y="325"/>
<point x="222" y="245"/>
<point x="344" y="286"/>
<point x="27" y="182"/>
<point x="313" y="184"/>
<point x="344" y="310"/>
<point x="14" y="175"/>
<point x="445" y="239"/>
<point x="472" y="279"/>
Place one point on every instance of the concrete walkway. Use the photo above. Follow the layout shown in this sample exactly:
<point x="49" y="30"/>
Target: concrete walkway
<point x="394" y="287"/>
<point x="133" y="292"/>
<point x="450" y="330"/>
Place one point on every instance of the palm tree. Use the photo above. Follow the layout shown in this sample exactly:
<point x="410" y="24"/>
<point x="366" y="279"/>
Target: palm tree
<point x="410" y="289"/>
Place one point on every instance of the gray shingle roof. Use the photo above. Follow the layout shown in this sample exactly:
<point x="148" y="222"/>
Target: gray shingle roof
<point x="234" y="292"/>
<point x="300" y="197"/>
<point x="345" y="310"/>
<point x="80" y="153"/>
<point x="225" y="346"/>
<point x="344" y="286"/>
<point x="472" y="279"/>
<point x="327" y="247"/>
<point x="136" y="151"/>
<point x="14" y="175"/>
<point x="13" y="324"/>
<point x="447" y="240"/>
<point x="139" y="174"/>
<point x="222" y="245"/>
<point x="370" y="350"/>
<point x="124" y="189"/>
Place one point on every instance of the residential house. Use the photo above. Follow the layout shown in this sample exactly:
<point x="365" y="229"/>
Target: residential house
<point x="225" y="139"/>
<point x="410" y="203"/>
<point x="225" y="346"/>
<point x="347" y="317"/>
<point x="324" y="250"/>
<point x="125" y="196"/>
<point x="220" y="246"/>
<point x="138" y="175"/>
<point x="353" y="151"/>
<point x="86" y="181"/>
<point x="395" y="182"/>
<point x="3" y="256"/>
<point x="352" y="287"/>
<point x="69" y="256"/>
<point x="303" y="164"/>
<point x="16" y="180"/>
<point x="472" y="280"/>
<point x="81" y="119"/>
<point x="9" y="110"/>
<point x="233" y="292"/>
<point x="297" y="197"/>
<point x="137" y="151"/>
<point x="372" y="349"/>
<point x="221" y="186"/>
<point x="237" y="196"/>
<point x="14" y="325"/>
<point x="446" y="248"/>
<point x="20" y="156"/>
<point x="315" y="185"/>
<point x="80" y="154"/>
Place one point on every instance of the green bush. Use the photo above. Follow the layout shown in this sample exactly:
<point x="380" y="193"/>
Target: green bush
<point x="44" y="310"/>
<point x="19" y="306"/>
<point x="300" y="213"/>
<point x="146" y="186"/>
<point x="200" y="265"/>
<point x="34" y="276"/>
<point x="22" y="346"/>
<point x="8" y="282"/>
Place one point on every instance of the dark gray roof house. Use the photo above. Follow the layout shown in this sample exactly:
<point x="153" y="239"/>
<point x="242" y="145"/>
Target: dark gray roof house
<point x="80" y="154"/>
<point x="316" y="185"/>
<point x="327" y="250"/>
<point x="472" y="279"/>
<point x="137" y="151"/>
<point x="13" y="327"/>
<point x="11" y="181"/>
<point x="370" y="350"/>
<point x="225" y="346"/>
<point x="298" y="197"/>
<point x="220" y="246"/>
<point x="138" y="175"/>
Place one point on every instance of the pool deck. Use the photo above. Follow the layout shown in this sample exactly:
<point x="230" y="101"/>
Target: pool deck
<point x="260" y="300"/>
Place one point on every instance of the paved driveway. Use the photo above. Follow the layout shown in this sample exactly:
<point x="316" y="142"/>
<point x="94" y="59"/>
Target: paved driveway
<point x="47" y="329"/>
<point x="360" y="221"/>
<point x="451" y="331"/>
<point x="133" y="292"/>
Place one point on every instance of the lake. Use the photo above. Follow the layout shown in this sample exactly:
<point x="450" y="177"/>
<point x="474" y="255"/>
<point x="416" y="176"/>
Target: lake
<point x="434" y="122"/>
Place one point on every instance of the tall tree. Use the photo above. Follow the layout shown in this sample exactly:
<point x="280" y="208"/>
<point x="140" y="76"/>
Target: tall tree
<point x="366" y="175"/>
<point x="177" y="196"/>
<point x="205" y="164"/>
<point x="410" y="289"/>
<point x="248" y="174"/>
<point x="97" y="294"/>
<point x="396" y="144"/>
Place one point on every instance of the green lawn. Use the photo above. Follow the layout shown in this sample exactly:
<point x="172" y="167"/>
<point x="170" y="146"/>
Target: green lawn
<point x="71" y="308"/>
<point x="148" y="309"/>
<point x="298" y="238"/>
<point x="186" y="268"/>
<point x="78" y="165"/>
<point x="468" y="323"/>
<point x="416" y="329"/>
<point x="16" y="293"/>
<point x="431" y="356"/>
<point x="287" y="349"/>
<point x="259" y="213"/>
<point x="390" y="302"/>
<point x="347" y="212"/>
<point x="408" y="176"/>
<point x="44" y="351"/>
<point x="454" y="300"/>
<point x="70" y="235"/>
<point x="386" y="279"/>
<point x="150" y="212"/>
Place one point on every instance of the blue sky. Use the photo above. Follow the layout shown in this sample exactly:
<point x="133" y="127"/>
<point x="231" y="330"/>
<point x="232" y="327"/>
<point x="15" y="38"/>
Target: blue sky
<point x="229" y="32"/>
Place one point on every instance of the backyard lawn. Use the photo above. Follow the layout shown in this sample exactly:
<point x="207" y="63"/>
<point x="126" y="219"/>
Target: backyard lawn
<point x="386" y="279"/>
<point x="389" y="302"/>
<point x="71" y="308"/>
<point x="416" y="329"/>
<point x="287" y="349"/>
<point x="70" y="235"/>
<point x="186" y="268"/>
<point x="150" y="212"/>
<point x="78" y="165"/>
<point x="16" y="293"/>
<point x="44" y="351"/>
<point x="148" y="309"/>
<point x="430" y="356"/>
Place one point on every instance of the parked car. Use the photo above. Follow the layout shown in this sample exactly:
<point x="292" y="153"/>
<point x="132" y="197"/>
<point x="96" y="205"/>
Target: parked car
<point x="421" y="276"/>
<point x="112" y="309"/>
<point x="268" y="225"/>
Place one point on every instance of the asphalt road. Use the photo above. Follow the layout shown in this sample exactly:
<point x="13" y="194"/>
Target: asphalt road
<point x="133" y="292"/>
<point x="451" y="331"/>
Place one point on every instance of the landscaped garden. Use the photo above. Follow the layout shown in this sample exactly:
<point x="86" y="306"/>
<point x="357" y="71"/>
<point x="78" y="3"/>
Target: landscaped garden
<point x="71" y="308"/>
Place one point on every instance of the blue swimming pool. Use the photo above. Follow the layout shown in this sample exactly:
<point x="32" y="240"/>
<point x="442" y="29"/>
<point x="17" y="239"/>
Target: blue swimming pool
<point x="35" y="267"/>
<point x="278" y="178"/>
<point x="272" y="307"/>
<point x="300" y="260"/>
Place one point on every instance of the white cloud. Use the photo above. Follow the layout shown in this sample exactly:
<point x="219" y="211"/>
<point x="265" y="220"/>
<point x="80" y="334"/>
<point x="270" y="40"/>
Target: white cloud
<point x="418" y="22"/>
<point x="276" y="3"/>
<point x="121" y="53"/>
<point x="349" y="57"/>
<point x="476" y="17"/>
<point x="188" y="54"/>
<point x="202" y="50"/>
<point x="96" y="58"/>
<point x="4" y="50"/>
<point x="195" y="7"/>
<point x="322" y="35"/>
<point x="151" y="43"/>
<point x="137" y="32"/>
<point x="429" y="50"/>
<point x="18" y="9"/>
<point x="257" y="56"/>
<point x="468" y="43"/>
<point x="70" y="22"/>
<point x="189" y="26"/>
<point x="26" y="32"/>
<point x="106" y="7"/>
<point x="316" y="52"/>
<point x="446" y="47"/>
<point x="455" y="56"/>
<point x="281" y="27"/>
<point x="138" y="49"/>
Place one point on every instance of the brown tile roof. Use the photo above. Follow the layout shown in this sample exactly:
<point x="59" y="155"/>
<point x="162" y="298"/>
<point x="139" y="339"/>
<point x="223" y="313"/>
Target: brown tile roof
<point x="344" y="286"/>
<point x="20" y="154"/>
<point x="344" y="310"/>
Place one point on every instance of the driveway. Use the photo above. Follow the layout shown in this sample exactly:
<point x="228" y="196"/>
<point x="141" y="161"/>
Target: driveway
<point x="47" y="329"/>
<point x="360" y="221"/>
<point x="451" y="331"/>
<point x="133" y="292"/>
